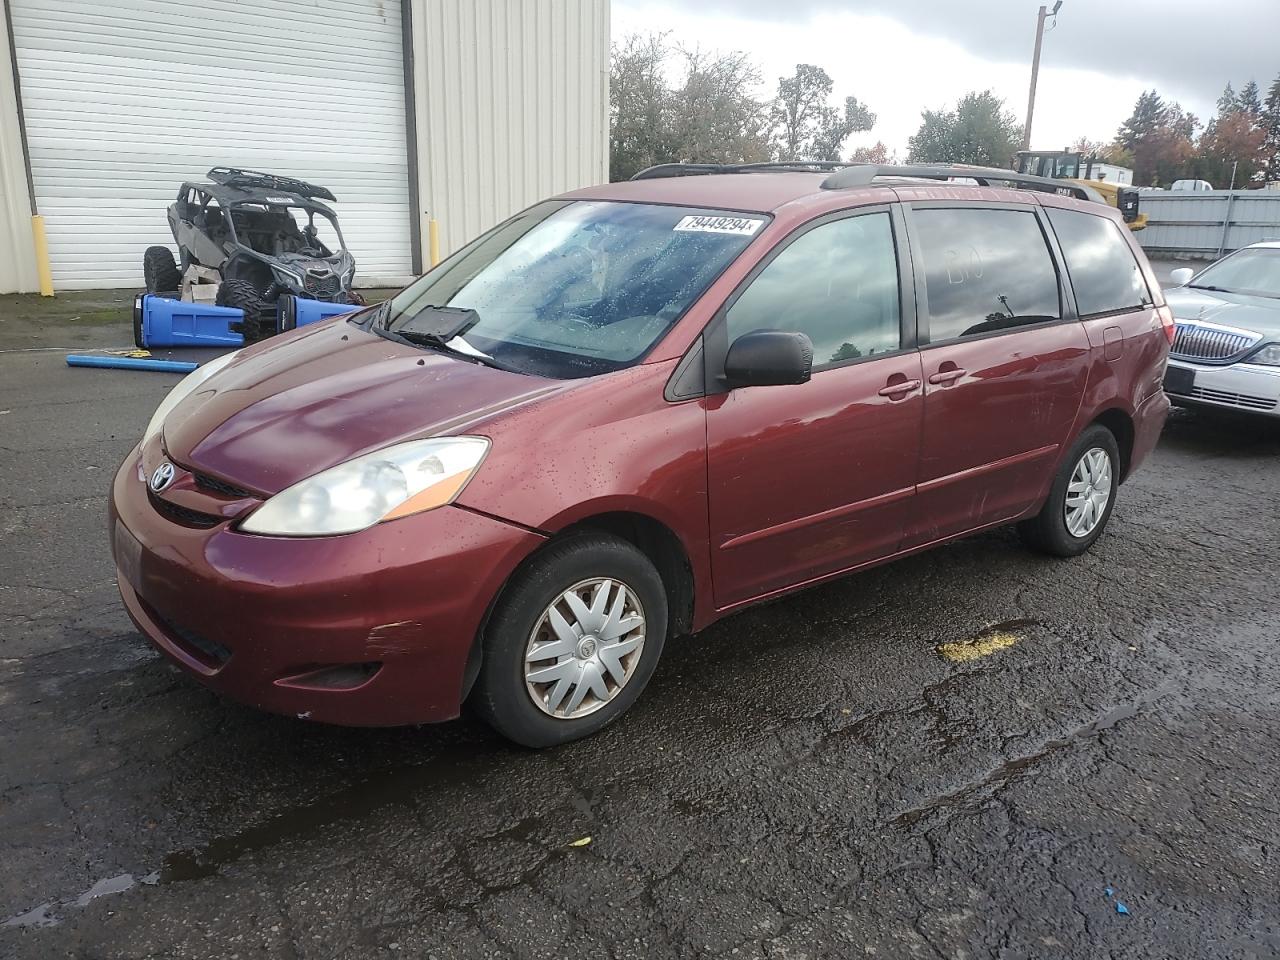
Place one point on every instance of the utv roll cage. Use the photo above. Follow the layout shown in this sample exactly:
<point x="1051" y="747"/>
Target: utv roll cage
<point x="251" y="215"/>
<point x="257" y="180"/>
<point x="841" y="176"/>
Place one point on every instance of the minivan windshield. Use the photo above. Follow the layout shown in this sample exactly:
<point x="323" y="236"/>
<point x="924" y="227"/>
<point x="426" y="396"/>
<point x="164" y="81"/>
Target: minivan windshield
<point x="1255" y="272"/>
<point x="571" y="288"/>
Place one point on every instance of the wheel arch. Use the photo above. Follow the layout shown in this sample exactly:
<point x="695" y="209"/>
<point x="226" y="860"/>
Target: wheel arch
<point x="1121" y="426"/>
<point x="650" y="536"/>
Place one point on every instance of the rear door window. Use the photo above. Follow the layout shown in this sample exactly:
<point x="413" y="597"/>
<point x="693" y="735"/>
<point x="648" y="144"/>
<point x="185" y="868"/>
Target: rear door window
<point x="838" y="283"/>
<point x="985" y="270"/>
<point x="1104" y="273"/>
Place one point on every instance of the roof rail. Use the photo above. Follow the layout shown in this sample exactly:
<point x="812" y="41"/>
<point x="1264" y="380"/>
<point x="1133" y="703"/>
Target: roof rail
<point x="662" y="170"/>
<point x="863" y="174"/>
<point x="248" y="179"/>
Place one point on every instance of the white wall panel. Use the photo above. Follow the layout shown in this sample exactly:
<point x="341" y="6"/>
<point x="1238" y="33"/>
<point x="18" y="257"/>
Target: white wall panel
<point x="124" y="101"/>
<point x="17" y="257"/>
<point x="511" y="105"/>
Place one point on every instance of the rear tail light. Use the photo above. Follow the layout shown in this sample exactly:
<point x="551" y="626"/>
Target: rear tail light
<point x="1166" y="320"/>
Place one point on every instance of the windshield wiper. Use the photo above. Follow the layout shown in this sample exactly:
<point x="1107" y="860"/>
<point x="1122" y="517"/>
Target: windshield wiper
<point x="1208" y="286"/>
<point x="433" y="341"/>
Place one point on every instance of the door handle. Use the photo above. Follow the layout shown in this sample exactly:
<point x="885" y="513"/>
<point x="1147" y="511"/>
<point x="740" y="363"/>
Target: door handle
<point x="901" y="387"/>
<point x="947" y="376"/>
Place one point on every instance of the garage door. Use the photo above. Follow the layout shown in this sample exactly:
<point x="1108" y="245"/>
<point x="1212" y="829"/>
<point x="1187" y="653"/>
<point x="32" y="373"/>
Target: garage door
<point x="125" y="100"/>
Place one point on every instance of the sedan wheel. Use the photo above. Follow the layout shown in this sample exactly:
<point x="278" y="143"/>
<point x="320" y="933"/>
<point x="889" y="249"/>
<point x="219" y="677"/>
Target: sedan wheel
<point x="585" y="648"/>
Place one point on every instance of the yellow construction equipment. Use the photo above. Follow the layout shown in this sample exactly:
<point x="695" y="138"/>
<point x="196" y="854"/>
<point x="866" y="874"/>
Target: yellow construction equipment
<point x="1072" y="165"/>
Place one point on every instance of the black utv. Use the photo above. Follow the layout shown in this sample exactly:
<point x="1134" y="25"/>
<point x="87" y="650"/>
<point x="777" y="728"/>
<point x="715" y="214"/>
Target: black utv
<point x="257" y="236"/>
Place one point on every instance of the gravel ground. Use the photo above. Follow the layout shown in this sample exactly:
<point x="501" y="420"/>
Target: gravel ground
<point x="808" y="778"/>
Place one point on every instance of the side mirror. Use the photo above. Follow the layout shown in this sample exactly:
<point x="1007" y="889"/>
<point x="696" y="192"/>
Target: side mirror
<point x="1182" y="276"/>
<point x="768" y="358"/>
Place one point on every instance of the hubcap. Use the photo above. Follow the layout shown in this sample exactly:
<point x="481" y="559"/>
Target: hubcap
<point x="1088" y="492"/>
<point x="584" y="649"/>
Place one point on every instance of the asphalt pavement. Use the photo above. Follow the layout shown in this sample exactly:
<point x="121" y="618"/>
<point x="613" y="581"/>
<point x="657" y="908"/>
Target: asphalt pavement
<point x="1090" y="770"/>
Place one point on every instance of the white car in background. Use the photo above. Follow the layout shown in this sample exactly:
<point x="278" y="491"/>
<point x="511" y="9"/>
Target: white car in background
<point x="1226" y="352"/>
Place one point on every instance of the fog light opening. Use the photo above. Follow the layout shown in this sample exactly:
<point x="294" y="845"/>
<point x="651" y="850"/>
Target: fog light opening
<point x="343" y="676"/>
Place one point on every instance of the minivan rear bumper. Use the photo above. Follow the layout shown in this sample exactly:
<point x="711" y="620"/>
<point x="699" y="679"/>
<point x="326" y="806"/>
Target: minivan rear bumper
<point x="1148" y="421"/>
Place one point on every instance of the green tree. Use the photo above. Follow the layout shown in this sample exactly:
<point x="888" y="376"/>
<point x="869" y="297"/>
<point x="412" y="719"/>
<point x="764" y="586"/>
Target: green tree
<point x="1160" y="137"/>
<point x="714" y="116"/>
<point x="1270" y="124"/>
<point x="638" y="95"/>
<point x="876" y="153"/>
<point x="1250" y="100"/>
<point x="807" y="126"/>
<point x="710" y="115"/>
<point x="979" y="131"/>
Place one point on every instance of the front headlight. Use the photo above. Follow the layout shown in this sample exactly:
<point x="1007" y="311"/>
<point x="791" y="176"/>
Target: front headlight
<point x="1268" y="356"/>
<point x="400" y="480"/>
<point x="184" y="389"/>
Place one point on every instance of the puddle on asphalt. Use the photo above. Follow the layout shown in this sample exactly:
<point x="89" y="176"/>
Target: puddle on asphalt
<point x="398" y="785"/>
<point x="45" y="915"/>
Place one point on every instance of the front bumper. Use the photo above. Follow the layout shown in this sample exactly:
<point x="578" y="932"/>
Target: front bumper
<point x="264" y="620"/>
<point x="1243" y="387"/>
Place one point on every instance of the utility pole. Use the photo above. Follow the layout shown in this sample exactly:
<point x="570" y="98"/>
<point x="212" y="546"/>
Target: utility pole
<point x="1043" y="15"/>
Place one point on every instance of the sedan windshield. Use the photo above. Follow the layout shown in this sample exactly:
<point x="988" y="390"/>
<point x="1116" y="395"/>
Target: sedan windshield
<point x="1251" y="271"/>
<point x="571" y="288"/>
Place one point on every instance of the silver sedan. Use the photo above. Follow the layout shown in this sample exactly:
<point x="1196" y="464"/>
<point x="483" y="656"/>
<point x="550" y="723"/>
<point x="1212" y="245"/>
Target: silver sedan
<point x="1226" y="352"/>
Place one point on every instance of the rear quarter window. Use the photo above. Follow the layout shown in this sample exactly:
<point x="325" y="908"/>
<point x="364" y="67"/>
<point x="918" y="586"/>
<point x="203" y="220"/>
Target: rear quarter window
<point x="1104" y="273"/>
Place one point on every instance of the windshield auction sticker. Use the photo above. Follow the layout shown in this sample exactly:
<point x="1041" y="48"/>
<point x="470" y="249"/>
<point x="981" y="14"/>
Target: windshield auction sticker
<point x="742" y="226"/>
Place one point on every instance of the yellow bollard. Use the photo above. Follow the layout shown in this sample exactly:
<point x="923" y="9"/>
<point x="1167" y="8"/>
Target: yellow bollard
<point x="433" y="240"/>
<point x="42" y="256"/>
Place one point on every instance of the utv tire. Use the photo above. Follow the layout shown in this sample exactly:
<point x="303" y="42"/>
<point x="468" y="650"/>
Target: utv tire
<point x="161" y="272"/>
<point x="259" y="316"/>
<point x="581" y="564"/>
<point x="1050" y="531"/>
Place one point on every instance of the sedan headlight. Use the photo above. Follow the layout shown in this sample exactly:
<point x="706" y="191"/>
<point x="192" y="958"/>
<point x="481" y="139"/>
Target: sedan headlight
<point x="184" y="389"/>
<point x="395" y="482"/>
<point x="1268" y="355"/>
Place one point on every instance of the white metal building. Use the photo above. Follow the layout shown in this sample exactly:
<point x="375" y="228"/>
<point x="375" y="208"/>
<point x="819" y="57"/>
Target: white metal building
<point x="464" y="111"/>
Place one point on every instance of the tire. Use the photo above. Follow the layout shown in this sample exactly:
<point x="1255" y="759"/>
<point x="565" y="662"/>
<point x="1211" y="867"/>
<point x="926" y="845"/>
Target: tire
<point x="259" y="316"/>
<point x="503" y="696"/>
<point x="160" y="271"/>
<point x="1049" y="531"/>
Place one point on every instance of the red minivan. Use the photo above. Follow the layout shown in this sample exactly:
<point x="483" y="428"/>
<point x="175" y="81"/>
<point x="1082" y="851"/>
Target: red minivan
<point x="625" y="413"/>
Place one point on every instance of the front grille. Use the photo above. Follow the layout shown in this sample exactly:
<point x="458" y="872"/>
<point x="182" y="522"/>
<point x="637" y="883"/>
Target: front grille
<point x="1234" y="399"/>
<point x="323" y="287"/>
<point x="207" y="482"/>
<point x="1197" y="342"/>
<point x="184" y="515"/>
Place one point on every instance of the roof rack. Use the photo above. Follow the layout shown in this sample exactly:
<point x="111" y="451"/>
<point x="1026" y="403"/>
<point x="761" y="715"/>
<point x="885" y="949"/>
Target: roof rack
<point x="863" y="174"/>
<point x="251" y="179"/>
<point x="662" y="170"/>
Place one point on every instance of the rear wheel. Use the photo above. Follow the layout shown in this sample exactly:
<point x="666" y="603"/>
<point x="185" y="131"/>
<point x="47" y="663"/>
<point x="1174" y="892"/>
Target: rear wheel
<point x="259" y="316"/>
<point x="161" y="272"/>
<point x="1081" y="498"/>
<point x="572" y="641"/>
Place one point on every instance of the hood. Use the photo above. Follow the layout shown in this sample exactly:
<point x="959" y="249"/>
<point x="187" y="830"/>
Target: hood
<point x="1245" y="312"/>
<point x="303" y="402"/>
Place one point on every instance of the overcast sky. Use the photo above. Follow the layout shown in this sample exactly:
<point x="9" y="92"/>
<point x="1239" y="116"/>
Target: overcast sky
<point x="902" y="56"/>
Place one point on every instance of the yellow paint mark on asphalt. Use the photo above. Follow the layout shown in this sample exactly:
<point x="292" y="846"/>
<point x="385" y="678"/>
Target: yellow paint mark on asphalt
<point x="965" y="651"/>
<point x="581" y="842"/>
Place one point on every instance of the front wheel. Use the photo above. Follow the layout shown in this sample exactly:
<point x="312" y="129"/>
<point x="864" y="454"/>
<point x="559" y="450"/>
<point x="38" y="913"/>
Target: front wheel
<point x="1081" y="498"/>
<point x="259" y="316"/>
<point x="572" y="641"/>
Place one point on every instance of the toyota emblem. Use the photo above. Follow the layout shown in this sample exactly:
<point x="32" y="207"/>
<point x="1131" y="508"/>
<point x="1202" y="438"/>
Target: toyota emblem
<point x="163" y="476"/>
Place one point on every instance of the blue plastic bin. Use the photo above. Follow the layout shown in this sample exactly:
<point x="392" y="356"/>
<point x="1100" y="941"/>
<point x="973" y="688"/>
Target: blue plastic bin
<point x="298" y="312"/>
<point x="161" y="322"/>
